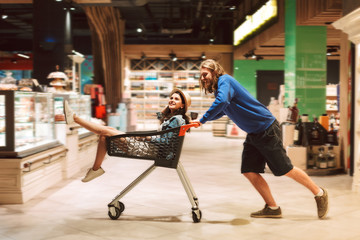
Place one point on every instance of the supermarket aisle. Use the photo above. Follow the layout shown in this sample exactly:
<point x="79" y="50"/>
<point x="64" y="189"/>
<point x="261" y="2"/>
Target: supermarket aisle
<point x="158" y="207"/>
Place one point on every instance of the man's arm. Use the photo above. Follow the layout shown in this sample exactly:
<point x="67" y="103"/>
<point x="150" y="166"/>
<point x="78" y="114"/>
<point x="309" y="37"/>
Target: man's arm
<point x="223" y="98"/>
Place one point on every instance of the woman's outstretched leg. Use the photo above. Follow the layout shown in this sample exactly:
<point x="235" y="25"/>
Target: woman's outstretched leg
<point x="96" y="128"/>
<point x="96" y="170"/>
<point x="100" y="153"/>
<point x="102" y="131"/>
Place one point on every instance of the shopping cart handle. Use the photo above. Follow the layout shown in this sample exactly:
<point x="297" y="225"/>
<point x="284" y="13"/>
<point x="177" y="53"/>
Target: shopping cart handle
<point x="184" y="128"/>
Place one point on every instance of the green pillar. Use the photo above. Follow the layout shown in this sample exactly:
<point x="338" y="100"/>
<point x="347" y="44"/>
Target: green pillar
<point x="305" y="64"/>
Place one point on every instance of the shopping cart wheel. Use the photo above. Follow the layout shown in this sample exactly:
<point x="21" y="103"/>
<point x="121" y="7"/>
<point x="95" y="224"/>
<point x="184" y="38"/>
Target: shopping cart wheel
<point x="196" y="215"/>
<point x="115" y="211"/>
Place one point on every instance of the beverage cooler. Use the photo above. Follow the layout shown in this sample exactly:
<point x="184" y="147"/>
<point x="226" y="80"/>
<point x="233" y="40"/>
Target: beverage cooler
<point x="26" y="123"/>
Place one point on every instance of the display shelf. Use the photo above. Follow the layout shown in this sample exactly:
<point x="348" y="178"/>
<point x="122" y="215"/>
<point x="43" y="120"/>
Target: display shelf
<point x="331" y="99"/>
<point x="325" y="172"/>
<point x="27" y="125"/>
<point x="151" y="82"/>
<point x="81" y="104"/>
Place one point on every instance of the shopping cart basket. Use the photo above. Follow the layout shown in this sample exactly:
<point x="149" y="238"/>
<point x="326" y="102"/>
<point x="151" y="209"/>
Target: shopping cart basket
<point x="164" y="147"/>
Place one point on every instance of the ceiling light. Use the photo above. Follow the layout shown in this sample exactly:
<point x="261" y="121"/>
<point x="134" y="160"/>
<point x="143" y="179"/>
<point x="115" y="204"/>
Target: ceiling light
<point x="232" y="8"/>
<point x="247" y="55"/>
<point x="4" y="16"/>
<point x="252" y="54"/>
<point x="173" y="57"/>
<point x="22" y="55"/>
<point x="211" y="40"/>
<point x="77" y="53"/>
<point x="203" y="56"/>
<point x="139" y="30"/>
<point x="331" y="50"/>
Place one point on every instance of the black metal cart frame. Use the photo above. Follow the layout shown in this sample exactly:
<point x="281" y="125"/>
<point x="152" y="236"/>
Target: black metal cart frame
<point x="164" y="148"/>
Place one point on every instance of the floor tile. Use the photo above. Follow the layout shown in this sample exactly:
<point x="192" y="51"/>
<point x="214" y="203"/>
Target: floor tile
<point x="158" y="207"/>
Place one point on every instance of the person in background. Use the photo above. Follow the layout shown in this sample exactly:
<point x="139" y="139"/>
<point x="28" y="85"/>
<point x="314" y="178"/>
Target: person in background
<point x="263" y="144"/>
<point x="173" y="115"/>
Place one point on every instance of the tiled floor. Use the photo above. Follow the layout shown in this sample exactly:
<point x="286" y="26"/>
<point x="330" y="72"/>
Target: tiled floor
<point x="158" y="207"/>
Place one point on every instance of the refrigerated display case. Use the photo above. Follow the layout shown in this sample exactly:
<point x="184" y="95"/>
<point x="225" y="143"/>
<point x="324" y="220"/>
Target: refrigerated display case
<point x="81" y="104"/>
<point x="26" y="123"/>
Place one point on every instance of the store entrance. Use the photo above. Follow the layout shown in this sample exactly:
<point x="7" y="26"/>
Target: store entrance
<point x="268" y="85"/>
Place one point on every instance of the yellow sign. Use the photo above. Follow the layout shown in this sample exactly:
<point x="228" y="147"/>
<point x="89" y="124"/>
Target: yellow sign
<point x="255" y="21"/>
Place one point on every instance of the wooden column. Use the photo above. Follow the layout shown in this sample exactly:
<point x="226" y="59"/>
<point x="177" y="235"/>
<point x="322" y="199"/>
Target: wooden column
<point x="345" y="99"/>
<point x="108" y="28"/>
<point x="350" y="24"/>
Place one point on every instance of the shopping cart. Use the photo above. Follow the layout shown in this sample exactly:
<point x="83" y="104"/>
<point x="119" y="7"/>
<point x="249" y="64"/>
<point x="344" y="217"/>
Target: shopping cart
<point x="164" y="147"/>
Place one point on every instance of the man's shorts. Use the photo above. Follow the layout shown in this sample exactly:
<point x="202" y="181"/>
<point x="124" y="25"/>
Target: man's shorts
<point x="265" y="148"/>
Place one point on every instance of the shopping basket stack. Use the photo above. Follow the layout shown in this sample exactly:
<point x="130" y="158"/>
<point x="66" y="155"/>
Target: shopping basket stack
<point x="164" y="148"/>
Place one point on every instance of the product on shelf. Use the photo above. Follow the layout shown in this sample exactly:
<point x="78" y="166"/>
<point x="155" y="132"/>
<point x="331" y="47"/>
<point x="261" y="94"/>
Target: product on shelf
<point x="321" y="159"/>
<point x="324" y="121"/>
<point x="311" y="158"/>
<point x="298" y="133"/>
<point x="315" y="133"/>
<point x="331" y="136"/>
<point x="330" y="157"/>
<point x="293" y="112"/>
<point x="305" y="117"/>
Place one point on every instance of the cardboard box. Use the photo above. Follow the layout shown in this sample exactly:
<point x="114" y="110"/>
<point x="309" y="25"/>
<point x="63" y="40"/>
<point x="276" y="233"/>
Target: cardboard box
<point x="297" y="155"/>
<point x="288" y="134"/>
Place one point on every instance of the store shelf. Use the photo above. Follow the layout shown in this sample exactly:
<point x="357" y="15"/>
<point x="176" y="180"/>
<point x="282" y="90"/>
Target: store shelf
<point x="151" y="85"/>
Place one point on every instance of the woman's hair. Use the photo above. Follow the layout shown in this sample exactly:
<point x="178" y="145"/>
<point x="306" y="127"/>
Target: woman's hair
<point x="181" y="111"/>
<point x="216" y="69"/>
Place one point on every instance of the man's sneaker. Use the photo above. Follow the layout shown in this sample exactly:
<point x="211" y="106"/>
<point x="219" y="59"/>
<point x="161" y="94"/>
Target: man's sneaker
<point x="267" y="212"/>
<point x="92" y="174"/>
<point x="322" y="204"/>
<point x="69" y="113"/>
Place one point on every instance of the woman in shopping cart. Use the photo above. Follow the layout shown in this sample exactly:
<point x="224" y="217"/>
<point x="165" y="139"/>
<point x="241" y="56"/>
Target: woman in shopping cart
<point x="173" y="115"/>
<point x="263" y="144"/>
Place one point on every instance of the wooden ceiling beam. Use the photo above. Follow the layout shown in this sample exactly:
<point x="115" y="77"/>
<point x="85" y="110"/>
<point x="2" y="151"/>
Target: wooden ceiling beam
<point x="309" y="13"/>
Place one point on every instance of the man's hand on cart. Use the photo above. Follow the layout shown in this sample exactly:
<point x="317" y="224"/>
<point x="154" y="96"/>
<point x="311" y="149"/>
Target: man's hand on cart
<point x="184" y="128"/>
<point x="196" y="123"/>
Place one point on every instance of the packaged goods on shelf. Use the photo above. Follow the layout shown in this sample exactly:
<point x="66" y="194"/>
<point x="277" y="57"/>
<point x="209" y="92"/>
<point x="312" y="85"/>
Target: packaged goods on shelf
<point x="183" y="75"/>
<point x="165" y="76"/>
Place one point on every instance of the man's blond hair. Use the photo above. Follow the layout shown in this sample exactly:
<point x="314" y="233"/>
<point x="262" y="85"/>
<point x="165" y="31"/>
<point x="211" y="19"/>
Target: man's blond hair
<point x="216" y="69"/>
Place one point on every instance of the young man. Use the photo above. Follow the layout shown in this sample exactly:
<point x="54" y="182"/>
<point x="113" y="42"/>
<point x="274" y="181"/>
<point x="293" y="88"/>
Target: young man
<point x="263" y="144"/>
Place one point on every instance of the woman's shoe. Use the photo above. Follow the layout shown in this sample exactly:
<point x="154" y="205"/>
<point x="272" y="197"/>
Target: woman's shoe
<point x="92" y="174"/>
<point x="69" y="113"/>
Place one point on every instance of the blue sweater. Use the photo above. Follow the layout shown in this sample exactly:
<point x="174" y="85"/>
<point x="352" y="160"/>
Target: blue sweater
<point x="232" y="99"/>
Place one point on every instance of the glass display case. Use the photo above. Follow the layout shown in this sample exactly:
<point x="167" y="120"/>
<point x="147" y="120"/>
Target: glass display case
<point x="26" y="123"/>
<point x="81" y="104"/>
